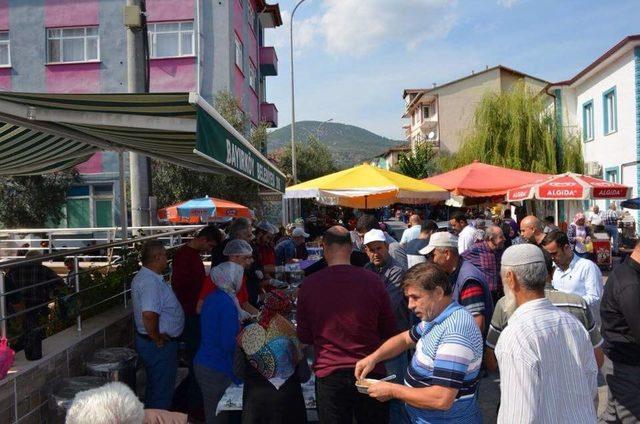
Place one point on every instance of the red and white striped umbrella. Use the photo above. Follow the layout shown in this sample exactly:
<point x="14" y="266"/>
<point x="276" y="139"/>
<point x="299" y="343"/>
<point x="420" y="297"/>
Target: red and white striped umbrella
<point x="569" y="186"/>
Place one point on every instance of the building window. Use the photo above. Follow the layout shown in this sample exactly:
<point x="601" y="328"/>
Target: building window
<point x="251" y="14"/>
<point x="5" y="50"/>
<point x="239" y="55"/>
<point x="425" y="112"/>
<point x="587" y="121"/>
<point x="73" y="45"/>
<point x="90" y="206"/>
<point x="171" y="39"/>
<point x="252" y="77"/>
<point x="610" y="108"/>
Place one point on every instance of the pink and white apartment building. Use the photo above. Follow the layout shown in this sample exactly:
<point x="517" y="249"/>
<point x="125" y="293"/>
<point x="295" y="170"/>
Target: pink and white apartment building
<point x="78" y="46"/>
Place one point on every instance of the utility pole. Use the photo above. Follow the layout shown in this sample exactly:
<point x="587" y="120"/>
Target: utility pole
<point x="136" y="77"/>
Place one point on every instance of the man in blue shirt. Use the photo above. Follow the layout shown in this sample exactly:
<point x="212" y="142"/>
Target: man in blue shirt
<point x="292" y="248"/>
<point x="159" y="321"/>
<point x="441" y="381"/>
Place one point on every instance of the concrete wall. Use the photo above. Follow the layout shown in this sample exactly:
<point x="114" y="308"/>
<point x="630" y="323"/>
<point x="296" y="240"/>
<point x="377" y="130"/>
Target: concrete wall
<point x="614" y="149"/>
<point x="24" y="392"/>
<point x="457" y="104"/>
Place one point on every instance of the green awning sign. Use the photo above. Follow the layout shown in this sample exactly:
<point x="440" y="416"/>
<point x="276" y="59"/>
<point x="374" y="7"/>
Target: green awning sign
<point x="233" y="153"/>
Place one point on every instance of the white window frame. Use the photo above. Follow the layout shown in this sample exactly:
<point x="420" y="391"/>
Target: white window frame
<point x="588" y="121"/>
<point x="153" y="43"/>
<point x="610" y="113"/>
<point x="253" y="77"/>
<point x="239" y="53"/>
<point x="425" y="115"/>
<point x="62" y="38"/>
<point x="6" y="42"/>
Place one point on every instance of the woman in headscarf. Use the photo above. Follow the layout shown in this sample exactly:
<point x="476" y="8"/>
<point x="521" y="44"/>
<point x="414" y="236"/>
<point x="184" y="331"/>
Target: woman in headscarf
<point x="220" y="317"/>
<point x="579" y="235"/>
<point x="272" y="364"/>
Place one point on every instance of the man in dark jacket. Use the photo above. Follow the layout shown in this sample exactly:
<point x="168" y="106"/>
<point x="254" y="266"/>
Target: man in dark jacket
<point x="620" y="312"/>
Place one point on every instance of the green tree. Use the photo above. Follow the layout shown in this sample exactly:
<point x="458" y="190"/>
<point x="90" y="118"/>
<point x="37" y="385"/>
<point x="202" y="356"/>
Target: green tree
<point x="173" y="183"/>
<point x="516" y="129"/>
<point x="34" y="201"/>
<point x="313" y="160"/>
<point x="419" y="164"/>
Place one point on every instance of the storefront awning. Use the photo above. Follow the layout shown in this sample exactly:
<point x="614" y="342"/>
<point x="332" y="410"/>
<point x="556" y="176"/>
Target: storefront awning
<point x="43" y="132"/>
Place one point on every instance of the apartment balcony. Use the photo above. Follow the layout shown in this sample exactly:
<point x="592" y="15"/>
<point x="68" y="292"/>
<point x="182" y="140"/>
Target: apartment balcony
<point x="269" y="114"/>
<point x="268" y="61"/>
<point x="429" y="124"/>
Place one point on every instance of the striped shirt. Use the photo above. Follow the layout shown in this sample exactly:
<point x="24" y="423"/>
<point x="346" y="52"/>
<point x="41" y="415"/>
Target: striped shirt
<point x="568" y="302"/>
<point x="449" y="354"/>
<point x="548" y="373"/>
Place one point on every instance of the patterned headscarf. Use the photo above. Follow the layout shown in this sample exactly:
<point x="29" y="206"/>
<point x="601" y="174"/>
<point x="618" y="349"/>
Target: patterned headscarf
<point x="578" y="217"/>
<point x="275" y="302"/>
<point x="271" y="345"/>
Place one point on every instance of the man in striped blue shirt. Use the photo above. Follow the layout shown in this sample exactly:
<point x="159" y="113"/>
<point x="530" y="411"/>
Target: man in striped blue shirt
<point x="441" y="381"/>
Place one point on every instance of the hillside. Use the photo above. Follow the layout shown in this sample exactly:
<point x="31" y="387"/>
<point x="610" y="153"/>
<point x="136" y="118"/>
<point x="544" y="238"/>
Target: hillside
<point x="350" y="145"/>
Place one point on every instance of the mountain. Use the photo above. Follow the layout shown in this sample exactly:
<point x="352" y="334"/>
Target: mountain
<point x="350" y="145"/>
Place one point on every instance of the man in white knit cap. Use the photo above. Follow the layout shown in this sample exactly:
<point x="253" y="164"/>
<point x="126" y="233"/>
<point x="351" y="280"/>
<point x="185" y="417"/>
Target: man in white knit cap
<point x="547" y="369"/>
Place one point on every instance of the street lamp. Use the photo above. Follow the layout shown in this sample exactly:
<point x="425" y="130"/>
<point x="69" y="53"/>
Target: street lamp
<point x="320" y="126"/>
<point x="294" y="170"/>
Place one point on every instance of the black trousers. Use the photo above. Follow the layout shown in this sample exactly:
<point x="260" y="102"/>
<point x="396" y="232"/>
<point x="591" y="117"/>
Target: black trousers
<point x="339" y="401"/>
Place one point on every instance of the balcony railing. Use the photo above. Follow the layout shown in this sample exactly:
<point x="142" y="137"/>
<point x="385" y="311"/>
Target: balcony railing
<point x="84" y="290"/>
<point x="268" y="61"/>
<point x="269" y="114"/>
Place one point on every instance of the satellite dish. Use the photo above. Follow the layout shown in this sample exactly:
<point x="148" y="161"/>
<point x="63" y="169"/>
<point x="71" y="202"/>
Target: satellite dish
<point x="431" y="135"/>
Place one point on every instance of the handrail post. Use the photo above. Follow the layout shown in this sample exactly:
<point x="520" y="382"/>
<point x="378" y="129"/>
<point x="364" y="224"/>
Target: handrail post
<point x="50" y="243"/>
<point x="124" y="285"/>
<point x="3" y="306"/>
<point x="77" y="278"/>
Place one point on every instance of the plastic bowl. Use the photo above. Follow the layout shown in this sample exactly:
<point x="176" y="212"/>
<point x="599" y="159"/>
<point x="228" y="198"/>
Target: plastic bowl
<point x="363" y="385"/>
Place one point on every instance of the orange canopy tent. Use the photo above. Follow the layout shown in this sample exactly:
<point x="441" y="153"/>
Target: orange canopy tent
<point x="205" y="209"/>
<point x="481" y="180"/>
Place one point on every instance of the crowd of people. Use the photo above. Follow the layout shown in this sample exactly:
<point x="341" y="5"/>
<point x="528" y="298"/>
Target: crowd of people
<point x="432" y="312"/>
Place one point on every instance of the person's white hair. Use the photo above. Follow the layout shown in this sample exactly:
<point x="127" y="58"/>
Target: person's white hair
<point x="531" y="276"/>
<point x="111" y="403"/>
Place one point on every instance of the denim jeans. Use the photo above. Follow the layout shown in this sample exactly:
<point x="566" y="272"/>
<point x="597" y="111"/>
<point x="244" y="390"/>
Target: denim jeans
<point x="161" y="366"/>
<point x="612" y="230"/>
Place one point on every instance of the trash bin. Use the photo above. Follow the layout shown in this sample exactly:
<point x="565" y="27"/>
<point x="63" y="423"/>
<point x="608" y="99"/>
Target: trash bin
<point x="61" y="398"/>
<point x="115" y="364"/>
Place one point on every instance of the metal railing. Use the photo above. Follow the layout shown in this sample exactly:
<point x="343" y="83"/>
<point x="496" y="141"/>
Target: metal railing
<point x="57" y="240"/>
<point x="121" y="262"/>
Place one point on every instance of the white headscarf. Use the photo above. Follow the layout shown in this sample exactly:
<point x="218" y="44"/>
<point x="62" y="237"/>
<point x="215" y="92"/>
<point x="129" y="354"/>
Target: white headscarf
<point x="228" y="277"/>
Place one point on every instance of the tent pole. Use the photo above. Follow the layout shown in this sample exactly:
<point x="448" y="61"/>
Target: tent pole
<point x="557" y="217"/>
<point x="123" y="195"/>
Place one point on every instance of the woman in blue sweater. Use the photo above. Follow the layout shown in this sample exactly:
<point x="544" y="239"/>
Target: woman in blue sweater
<point x="220" y="324"/>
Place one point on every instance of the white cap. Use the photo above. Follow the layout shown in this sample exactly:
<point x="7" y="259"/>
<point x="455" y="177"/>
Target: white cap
<point x="522" y="254"/>
<point x="299" y="232"/>
<point x="440" y="239"/>
<point x="374" y="235"/>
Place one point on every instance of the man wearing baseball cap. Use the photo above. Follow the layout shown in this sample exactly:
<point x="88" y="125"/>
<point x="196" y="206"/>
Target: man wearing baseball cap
<point x="470" y="288"/>
<point x="391" y="274"/>
<point x="547" y="369"/>
<point x="292" y="248"/>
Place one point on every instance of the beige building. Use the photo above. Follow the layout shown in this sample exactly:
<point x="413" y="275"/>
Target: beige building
<point x="444" y="113"/>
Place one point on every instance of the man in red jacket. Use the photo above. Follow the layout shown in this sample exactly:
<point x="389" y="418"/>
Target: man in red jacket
<point x="345" y="313"/>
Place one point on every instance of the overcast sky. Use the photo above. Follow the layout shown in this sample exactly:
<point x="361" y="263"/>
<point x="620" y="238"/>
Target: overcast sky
<point x="353" y="58"/>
